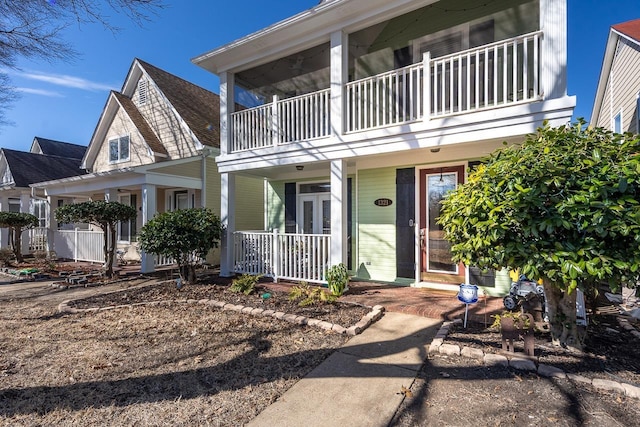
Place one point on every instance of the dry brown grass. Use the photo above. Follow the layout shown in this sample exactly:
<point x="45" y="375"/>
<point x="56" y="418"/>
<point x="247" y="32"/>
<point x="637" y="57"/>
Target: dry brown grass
<point x="175" y="364"/>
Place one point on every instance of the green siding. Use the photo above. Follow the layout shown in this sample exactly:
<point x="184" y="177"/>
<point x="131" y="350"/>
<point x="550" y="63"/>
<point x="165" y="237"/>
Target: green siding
<point x="249" y="203"/>
<point x="376" y="225"/>
<point x="275" y="208"/>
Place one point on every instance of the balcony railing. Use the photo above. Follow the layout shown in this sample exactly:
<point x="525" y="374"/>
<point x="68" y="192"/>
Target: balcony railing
<point x="295" y="119"/>
<point x="491" y="76"/>
<point x="302" y="257"/>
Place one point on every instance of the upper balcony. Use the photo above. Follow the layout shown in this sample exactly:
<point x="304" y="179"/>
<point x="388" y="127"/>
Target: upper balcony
<point x="358" y="77"/>
<point x="491" y="76"/>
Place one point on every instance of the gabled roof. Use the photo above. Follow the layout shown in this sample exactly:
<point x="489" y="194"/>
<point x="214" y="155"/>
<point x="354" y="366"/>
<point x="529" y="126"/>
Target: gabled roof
<point x="29" y="168"/>
<point x="143" y="127"/>
<point x="52" y="147"/>
<point x="198" y="107"/>
<point x="630" y="31"/>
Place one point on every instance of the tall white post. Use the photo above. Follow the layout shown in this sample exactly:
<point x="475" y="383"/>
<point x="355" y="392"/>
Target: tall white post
<point x="228" y="219"/>
<point x="338" y="212"/>
<point x="4" y="232"/>
<point x="52" y="224"/>
<point x="149" y="209"/>
<point x="339" y="77"/>
<point x="227" y="105"/>
<point x="553" y="23"/>
<point x="26" y="207"/>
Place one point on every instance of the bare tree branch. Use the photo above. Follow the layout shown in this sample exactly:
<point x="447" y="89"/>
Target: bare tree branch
<point x="33" y="29"/>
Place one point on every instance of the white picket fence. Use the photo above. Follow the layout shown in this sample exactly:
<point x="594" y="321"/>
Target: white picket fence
<point x="301" y="257"/>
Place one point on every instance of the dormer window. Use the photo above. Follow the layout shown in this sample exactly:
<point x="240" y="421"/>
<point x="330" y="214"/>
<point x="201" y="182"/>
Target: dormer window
<point x="143" y="87"/>
<point x="119" y="149"/>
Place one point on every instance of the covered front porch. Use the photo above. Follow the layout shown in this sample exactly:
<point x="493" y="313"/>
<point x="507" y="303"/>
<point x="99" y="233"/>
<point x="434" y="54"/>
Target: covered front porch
<point x="151" y="189"/>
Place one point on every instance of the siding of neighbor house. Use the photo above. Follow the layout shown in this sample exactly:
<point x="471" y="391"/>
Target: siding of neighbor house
<point x="138" y="150"/>
<point x="275" y="205"/>
<point x="166" y="123"/>
<point x="622" y="88"/>
<point x="376" y="226"/>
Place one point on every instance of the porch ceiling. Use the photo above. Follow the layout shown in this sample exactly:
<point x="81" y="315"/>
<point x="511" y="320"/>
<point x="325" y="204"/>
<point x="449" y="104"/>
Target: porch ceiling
<point x="302" y="31"/>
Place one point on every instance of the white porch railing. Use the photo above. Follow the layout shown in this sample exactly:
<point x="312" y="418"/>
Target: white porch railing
<point x="497" y="74"/>
<point x="79" y="245"/>
<point x="491" y="76"/>
<point x="385" y="99"/>
<point x="37" y="238"/>
<point x="300" y="118"/>
<point x="303" y="257"/>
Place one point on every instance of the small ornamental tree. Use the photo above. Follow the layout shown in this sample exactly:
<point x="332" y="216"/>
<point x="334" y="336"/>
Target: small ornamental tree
<point x="186" y="235"/>
<point x="17" y="222"/>
<point x="562" y="207"/>
<point x="103" y="214"/>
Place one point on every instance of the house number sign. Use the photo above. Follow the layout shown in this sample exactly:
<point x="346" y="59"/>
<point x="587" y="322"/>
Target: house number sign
<point x="383" y="202"/>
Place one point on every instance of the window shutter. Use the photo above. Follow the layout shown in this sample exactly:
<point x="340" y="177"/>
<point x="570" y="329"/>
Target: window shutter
<point x="290" y="207"/>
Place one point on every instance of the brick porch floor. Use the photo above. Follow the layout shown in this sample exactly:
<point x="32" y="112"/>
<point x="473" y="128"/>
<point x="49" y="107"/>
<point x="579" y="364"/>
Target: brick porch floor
<point x="436" y="304"/>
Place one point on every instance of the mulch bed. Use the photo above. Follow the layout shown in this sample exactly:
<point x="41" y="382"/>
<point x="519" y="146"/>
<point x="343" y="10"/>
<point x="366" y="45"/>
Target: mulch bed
<point x="610" y="352"/>
<point x="214" y="288"/>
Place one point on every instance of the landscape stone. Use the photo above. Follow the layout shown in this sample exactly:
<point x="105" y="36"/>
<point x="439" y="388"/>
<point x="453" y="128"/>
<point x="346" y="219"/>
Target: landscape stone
<point x="608" y="385"/>
<point x="472" y="353"/>
<point x="449" y="349"/>
<point x="522" y="364"/>
<point x="491" y="359"/>
<point x="551" y="371"/>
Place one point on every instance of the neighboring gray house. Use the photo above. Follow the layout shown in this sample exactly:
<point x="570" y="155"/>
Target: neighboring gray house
<point x="616" y="106"/>
<point x="47" y="160"/>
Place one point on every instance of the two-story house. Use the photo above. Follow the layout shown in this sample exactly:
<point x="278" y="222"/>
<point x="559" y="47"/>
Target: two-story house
<point x="47" y="160"/>
<point x="617" y="102"/>
<point x="362" y="114"/>
<point x="152" y="148"/>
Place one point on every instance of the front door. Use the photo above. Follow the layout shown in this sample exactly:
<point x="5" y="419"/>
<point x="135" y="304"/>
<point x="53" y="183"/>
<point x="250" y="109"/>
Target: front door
<point x="436" y="264"/>
<point x="314" y="213"/>
<point x="405" y="219"/>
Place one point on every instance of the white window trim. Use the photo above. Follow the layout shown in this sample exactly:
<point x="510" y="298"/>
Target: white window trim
<point x="613" y="122"/>
<point x="170" y="198"/>
<point x="638" y="113"/>
<point x="120" y="159"/>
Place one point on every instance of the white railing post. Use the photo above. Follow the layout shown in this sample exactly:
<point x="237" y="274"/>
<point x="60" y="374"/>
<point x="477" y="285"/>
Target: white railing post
<point x="275" y="254"/>
<point x="426" y="86"/>
<point x="275" y="121"/>
<point x="75" y="244"/>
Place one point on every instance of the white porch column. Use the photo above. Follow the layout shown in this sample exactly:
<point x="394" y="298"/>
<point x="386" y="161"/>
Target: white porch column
<point x="52" y="224"/>
<point x="25" y="207"/>
<point x="111" y="195"/>
<point x="149" y="209"/>
<point x="339" y="77"/>
<point x="338" y="212"/>
<point x="227" y="105"/>
<point x="553" y="22"/>
<point x="4" y="233"/>
<point x="228" y="218"/>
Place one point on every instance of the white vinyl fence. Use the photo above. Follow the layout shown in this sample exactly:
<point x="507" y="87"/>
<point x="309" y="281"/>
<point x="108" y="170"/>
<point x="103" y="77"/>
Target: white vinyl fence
<point x="79" y="245"/>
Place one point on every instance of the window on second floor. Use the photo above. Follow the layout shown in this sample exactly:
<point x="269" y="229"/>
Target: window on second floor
<point x="617" y="123"/>
<point x="119" y="149"/>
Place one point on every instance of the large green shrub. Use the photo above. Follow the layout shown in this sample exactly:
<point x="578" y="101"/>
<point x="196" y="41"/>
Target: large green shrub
<point x="563" y="207"/>
<point x="186" y="235"/>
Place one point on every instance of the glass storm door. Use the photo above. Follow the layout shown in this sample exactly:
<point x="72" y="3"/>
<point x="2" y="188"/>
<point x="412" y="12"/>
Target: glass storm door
<point x="315" y="214"/>
<point x="435" y="249"/>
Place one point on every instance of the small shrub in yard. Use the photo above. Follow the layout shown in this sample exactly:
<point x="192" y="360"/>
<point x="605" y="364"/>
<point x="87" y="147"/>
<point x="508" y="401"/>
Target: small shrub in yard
<point x="337" y="279"/>
<point x="520" y="321"/>
<point x="245" y="284"/>
<point x="307" y="295"/>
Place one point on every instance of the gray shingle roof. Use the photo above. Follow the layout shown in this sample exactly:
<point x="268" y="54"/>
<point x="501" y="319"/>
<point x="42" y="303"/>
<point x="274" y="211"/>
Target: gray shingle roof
<point x="197" y="106"/>
<point x="52" y="147"/>
<point x="29" y="168"/>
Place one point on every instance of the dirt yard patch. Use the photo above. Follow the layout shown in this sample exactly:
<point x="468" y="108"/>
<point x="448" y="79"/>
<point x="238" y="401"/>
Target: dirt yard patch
<point x="170" y="364"/>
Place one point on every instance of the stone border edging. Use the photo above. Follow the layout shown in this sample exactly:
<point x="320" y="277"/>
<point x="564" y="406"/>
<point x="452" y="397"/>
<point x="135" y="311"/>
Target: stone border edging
<point x="523" y="363"/>
<point x="374" y="315"/>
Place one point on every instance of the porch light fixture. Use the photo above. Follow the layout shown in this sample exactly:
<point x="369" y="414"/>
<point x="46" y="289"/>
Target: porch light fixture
<point x="435" y="150"/>
<point x="300" y="167"/>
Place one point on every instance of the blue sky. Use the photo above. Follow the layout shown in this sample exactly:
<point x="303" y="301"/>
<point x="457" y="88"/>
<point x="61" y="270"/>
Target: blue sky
<point x="63" y="101"/>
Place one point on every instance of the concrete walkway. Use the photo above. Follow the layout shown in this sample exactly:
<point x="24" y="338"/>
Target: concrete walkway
<point x="361" y="383"/>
